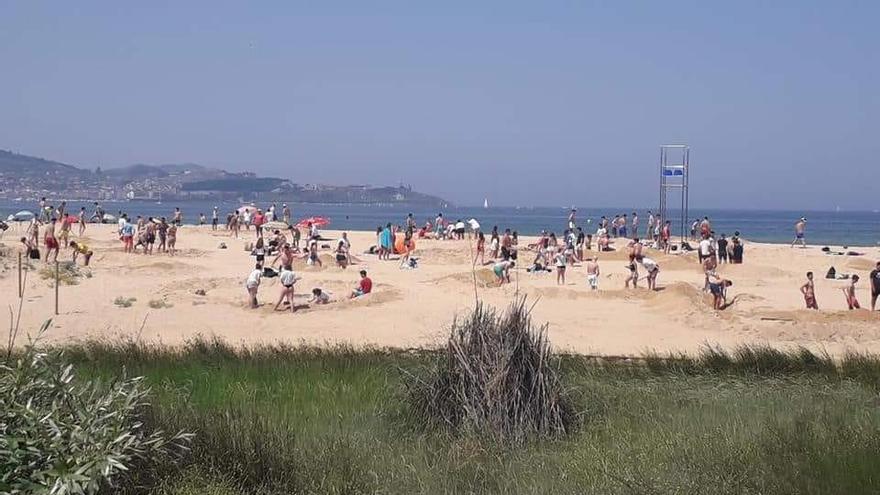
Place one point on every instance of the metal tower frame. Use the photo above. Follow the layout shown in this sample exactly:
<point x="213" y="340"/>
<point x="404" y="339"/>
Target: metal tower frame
<point x="674" y="175"/>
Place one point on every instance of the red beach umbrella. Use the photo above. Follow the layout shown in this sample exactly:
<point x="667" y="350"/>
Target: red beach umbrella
<point x="317" y="221"/>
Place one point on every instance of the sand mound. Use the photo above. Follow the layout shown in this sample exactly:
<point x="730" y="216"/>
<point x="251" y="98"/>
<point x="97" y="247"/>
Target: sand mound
<point x="159" y="266"/>
<point x="861" y="263"/>
<point x="327" y="261"/>
<point x="485" y="278"/>
<point x="677" y="297"/>
<point x="823" y="317"/>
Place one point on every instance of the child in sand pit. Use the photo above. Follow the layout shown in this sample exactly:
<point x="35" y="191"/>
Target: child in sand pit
<point x="809" y="292"/>
<point x="850" y="294"/>
<point x="502" y="271"/>
<point x="718" y="289"/>
<point x="253" y="284"/>
<point x="81" y="248"/>
<point x="319" y="297"/>
<point x="288" y="279"/>
<point x="364" y="287"/>
<point x="653" y="270"/>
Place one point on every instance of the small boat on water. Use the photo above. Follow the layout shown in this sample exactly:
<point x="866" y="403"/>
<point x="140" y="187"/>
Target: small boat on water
<point x="486" y="203"/>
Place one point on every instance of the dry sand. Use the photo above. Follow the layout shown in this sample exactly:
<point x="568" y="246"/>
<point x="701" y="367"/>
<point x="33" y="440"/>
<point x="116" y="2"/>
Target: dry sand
<point x="414" y="308"/>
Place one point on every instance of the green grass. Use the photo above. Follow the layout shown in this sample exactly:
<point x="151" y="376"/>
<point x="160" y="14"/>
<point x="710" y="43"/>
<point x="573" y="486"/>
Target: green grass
<point x="305" y="420"/>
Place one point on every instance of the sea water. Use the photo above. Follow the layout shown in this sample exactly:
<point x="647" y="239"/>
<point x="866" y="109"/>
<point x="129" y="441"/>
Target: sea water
<point x="853" y="228"/>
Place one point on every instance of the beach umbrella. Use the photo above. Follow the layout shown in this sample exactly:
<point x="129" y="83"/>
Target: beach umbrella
<point x="21" y="216"/>
<point x="316" y="221"/>
<point x="251" y="207"/>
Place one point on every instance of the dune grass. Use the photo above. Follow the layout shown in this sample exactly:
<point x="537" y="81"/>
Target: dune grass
<point x="278" y="419"/>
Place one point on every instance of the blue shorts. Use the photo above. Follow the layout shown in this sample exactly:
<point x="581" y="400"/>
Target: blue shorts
<point x="799" y="236"/>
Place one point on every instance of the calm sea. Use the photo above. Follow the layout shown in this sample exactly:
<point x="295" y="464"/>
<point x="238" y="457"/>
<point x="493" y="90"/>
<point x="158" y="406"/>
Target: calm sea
<point x="856" y="228"/>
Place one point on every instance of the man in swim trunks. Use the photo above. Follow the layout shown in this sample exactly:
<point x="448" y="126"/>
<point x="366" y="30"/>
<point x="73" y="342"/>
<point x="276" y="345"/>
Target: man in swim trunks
<point x="875" y="286"/>
<point x="285" y="255"/>
<point x="178" y="217"/>
<point x="809" y="292"/>
<point x="215" y="219"/>
<point x="560" y="259"/>
<point x="64" y="233"/>
<point x="800" y="228"/>
<point x="665" y="234"/>
<point x="593" y="272"/>
<point x="172" y="239"/>
<point x="82" y="221"/>
<point x="364" y="287"/>
<point x="50" y="241"/>
<point x="81" y="248"/>
<point x="850" y="294"/>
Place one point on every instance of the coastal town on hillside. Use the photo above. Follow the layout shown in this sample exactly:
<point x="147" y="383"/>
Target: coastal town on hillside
<point x="28" y="178"/>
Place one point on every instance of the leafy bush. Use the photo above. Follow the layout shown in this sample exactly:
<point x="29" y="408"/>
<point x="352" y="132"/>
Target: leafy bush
<point x="59" y="434"/>
<point x="498" y="376"/>
<point x="159" y="304"/>
<point x="124" y="302"/>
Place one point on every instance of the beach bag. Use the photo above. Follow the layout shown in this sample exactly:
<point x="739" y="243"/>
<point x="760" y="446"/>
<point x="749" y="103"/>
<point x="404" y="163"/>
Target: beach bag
<point x="832" y="273"/>
<point x="34" y="254"/>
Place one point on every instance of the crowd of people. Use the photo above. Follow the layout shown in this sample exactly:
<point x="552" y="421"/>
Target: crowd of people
<point x="277" y="238"/>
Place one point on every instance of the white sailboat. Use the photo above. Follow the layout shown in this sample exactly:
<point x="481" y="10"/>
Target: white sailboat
<point x="486" y="203"/>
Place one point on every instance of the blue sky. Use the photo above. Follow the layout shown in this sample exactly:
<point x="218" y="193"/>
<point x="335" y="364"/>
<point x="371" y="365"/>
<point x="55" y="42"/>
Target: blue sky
<point x="526" y="103"/>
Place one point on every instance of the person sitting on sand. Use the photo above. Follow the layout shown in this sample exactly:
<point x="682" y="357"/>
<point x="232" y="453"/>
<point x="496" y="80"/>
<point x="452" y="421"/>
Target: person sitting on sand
<point x="253" y="284"/>
<point x="502" y="271"/>
<point x="849" y="292"/>
<point x="809" y="292"/>
<point x="319" y="297"/>
<point x="365" y="286"/>
<point x="593" y="272"/>
<point x="288" y="279"/>
<point x="83" y="249"/>
<point x="875" y="286"/>
<point x="718" y="289"/>
<point x="653" y="270"/>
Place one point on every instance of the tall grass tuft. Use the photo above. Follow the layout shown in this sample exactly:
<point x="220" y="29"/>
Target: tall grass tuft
<point x="497" y="377"/>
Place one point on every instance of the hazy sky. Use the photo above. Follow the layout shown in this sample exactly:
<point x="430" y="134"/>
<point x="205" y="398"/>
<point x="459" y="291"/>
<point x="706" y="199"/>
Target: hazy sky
<point x="526" y="103"/>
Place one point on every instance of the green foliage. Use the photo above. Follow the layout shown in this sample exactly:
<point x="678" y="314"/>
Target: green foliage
<point x="60" y="434"/>
<point x="159" y="304"/>
<point x="124" y="302"/>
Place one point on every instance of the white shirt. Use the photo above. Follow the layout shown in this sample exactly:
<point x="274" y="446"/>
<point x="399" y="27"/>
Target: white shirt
<point x="287" y="277"/>
<point x="475" y="225"/>
<point x="705" y="247"/>
<point x="121" y="223"/>
<point x="560" y="259"/>
<point x="254" y="278"/>
<point x="649" y="264"/>
<point x="459" y="225"/>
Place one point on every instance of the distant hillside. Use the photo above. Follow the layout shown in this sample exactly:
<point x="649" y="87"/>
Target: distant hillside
<point x="22" y="164"/>
<point x="23" y="176"/>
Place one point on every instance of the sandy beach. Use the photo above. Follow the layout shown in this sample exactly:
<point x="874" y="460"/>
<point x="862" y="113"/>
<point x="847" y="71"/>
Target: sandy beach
<point x="414" y="308"/>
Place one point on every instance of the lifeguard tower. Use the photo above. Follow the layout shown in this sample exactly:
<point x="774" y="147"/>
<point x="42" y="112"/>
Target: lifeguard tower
<point x="674" y="174"/>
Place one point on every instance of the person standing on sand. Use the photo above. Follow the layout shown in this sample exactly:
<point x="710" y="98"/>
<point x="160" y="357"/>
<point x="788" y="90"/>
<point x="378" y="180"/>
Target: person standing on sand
<point x="481" y="248"/>
<point x="635" y="225"/>
<point x="81" y="248"/>
<point x="875" y="286"/>
<point x="285" y="213"/>
<point x="560" y="267"/>
<point x="850" y="294"/>
<point x="633" y="275"/>
<point x="650" y="229"/>
<point x="162" y="233"/>
<point x="653" y="270"/>
<point x="178" y="217"/>
<point x="50" y="241"/>
<point x="172" y="239"/>
<point x="502" y="271"/>
<point x="718" y="289"/>
<point x="82" y="221"/>
<point x="809" y="292"/>
<point x="253" y="285"/>
<point x="288" y="279"/>
<point x="572" y="223"/>
<point x="215" y="218"/>
<point x="665" y="234"/>
<point x="800" y="228"/>
<point x="64" y="233"/>
<point x="593" y="273"/>
<point x="722" y="249"/>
